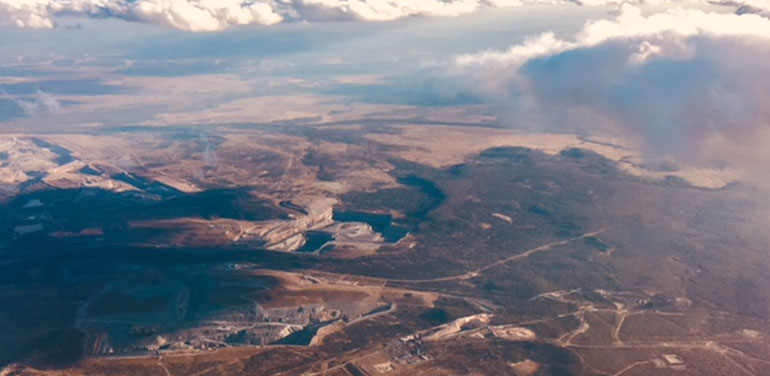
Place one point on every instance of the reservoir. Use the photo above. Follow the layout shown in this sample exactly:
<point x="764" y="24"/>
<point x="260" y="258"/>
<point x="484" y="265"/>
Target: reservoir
<point x="382" y="223"/>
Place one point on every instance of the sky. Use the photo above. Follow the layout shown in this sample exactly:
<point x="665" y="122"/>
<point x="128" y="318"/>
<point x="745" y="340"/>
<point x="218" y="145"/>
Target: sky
<point x="684" y="80"/>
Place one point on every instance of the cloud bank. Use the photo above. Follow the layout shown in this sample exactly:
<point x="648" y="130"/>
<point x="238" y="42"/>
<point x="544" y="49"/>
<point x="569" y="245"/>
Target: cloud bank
<point x="192" y="15"/>
<point x="215" y="15"/>
<point x="686" y="84"/>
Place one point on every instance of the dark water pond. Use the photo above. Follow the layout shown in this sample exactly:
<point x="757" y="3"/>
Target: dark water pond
<point x="315" y="240"/>
<point x="382" y="223"/>
<point x="302" y="337"/>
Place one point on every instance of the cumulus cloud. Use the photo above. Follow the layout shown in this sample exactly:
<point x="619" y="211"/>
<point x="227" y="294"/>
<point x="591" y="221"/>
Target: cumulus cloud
<point x="386" y="10"/>
<point x="214" y="15"/>
<point x="192" y="15"/>
<point x="630" y="25"/>
<point x="685" y="83"/>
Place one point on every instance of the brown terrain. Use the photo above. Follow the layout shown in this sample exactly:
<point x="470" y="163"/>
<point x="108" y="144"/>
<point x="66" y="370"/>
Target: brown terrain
<point x="373" y="248"/>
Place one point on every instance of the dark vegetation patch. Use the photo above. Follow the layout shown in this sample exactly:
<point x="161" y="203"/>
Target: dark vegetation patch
<point x="493" y="357"/>
<point x="77" y="209"/>
<point x="516" y="155"/>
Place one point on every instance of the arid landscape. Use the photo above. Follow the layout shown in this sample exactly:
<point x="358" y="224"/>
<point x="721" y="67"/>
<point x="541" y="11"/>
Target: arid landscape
<point x="384" y="188"/>
<point x="371" y="248"/>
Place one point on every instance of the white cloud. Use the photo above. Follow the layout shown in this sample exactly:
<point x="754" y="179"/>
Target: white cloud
<point x="192" y="15"/>
<point x="630" y="24"/>
<point x="201" y="15"/>
<point x="684" y="83"/>
<point x="213" y="15"/>
<point x="24" y="14"/>
<point x="386" y="10"/>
